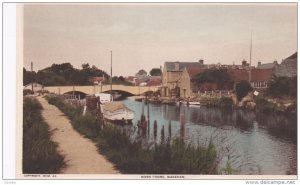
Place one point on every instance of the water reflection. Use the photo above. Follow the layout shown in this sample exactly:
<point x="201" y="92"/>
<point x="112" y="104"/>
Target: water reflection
<point x="255" y="143"/>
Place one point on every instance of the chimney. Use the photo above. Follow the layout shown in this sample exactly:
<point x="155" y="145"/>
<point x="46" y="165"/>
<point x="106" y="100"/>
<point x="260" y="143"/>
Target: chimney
<point x="201" y="61"/>
<point x="244" y="62"/>
<point x="259" y="63"/>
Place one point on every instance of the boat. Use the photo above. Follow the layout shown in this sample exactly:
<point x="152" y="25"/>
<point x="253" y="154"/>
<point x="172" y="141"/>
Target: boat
<point x="190" y="103"/>
<point x="104" y="97"/>
<point x="117" y="112"/>
<point x="116" y="96"/>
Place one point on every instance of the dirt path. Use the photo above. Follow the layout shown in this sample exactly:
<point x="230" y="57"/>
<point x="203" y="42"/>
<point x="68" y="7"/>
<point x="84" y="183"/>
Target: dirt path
<point x="80" y="153"/>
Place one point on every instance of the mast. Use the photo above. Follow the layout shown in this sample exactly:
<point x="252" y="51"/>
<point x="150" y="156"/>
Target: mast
<point x="111" y="76"/>
<point x="32" y="76"/>
<point x="250" y="58"/>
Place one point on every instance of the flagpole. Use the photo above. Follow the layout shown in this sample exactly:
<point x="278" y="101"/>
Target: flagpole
<point x="111" y="75"/>
<point x="250" y="58"/>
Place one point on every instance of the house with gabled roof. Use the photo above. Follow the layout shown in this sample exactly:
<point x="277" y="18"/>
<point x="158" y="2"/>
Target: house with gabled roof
<point x="288" y="67"/>
<point x="172" y="77"/>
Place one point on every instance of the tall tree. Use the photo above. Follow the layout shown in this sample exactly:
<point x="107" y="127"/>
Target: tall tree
<point x="242" y="89"/>
<point x="213" y="75"/>
<point x="155" y="72"/>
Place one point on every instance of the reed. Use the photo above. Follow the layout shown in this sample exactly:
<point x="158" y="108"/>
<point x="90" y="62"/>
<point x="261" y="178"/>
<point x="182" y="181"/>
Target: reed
<point x="133" y="156"/>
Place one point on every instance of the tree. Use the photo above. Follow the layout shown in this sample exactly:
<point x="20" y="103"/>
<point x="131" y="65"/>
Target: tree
<point x="242" y="89"/>
<point x="85" y="66"/>
<point x="28" y="76"/>
<point x="141" y="72"/>
<point x="66" y="74"/>
<point x="155" y="72"/>
<point x="213" y="75"/>
<point x="282" y="86"/>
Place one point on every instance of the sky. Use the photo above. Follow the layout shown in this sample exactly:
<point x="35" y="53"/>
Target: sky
<point x="144" y="36"/>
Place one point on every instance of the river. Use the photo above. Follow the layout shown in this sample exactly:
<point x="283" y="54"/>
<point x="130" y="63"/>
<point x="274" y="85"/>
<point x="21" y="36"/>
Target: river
<point x="252" y="143"/>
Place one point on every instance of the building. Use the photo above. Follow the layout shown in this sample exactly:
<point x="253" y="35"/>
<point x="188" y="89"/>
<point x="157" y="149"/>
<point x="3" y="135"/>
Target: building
<point x="174" y="83"/>
<point x="96" y="80"/>
<point x="131" y="79"/>
<point x="272" y="65"/>
<point x="154" y="81"/>
<point x="288" y="67"/>
<point x="260" y="78"/>
<point x="178" y="77"/>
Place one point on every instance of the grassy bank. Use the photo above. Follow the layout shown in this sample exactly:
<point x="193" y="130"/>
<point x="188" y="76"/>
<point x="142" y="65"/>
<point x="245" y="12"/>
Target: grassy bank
<point x="171" y="156"/>
<point x="225" y="102"/>
<point x="267" y="107"/>
<point x="39" y="153"/>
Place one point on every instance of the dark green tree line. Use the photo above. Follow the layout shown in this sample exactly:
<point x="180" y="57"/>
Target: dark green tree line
<point x="63" y="74"/>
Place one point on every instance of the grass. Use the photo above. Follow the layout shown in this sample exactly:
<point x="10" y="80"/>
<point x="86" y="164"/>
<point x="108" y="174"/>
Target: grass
<point x="133" y="156"/>
<point x="39" y="152"/>
<point x="225" y="102"/>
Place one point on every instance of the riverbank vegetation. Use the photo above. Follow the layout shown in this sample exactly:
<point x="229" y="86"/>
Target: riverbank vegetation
<point x="134" y="156"/>
<point x="223" y="102"/>
<point x="40" y="154"/>
<point x="282" y="86"/>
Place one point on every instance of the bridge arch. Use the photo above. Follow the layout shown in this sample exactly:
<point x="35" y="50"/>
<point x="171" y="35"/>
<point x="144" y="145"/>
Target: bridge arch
<point x="82" y="95"/>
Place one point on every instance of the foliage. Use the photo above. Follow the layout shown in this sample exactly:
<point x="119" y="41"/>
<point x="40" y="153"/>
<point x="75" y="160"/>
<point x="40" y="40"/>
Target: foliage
<point x="120" y="81"/>
<point x="213" y="75"/>
<point x="242" y="88"/>
<point x="282" y="86"/>
<point x="155" y="72"/>
<point x="39" y="152"/>
<point x="27" y="91"/>
<point x="141" y="72"/>
<point x="225" y="102"/>
<point x="264" y="106"/>
<point x="28" y="76"/>
<point x="64" y="74"/>
<point x="132" y="157"/>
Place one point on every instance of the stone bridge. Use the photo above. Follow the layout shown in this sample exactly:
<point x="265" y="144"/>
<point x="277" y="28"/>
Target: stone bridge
<point x="134" y="90"/>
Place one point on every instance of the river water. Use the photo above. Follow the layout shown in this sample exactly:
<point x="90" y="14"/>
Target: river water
<point x="252" y="143"/>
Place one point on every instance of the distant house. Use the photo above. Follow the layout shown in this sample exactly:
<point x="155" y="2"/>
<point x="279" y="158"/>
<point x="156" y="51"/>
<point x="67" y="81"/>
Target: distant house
<point x="260" y="78"/>
<point x="174" y="82"/>
<point x="36" y="86"/>
<point x="273" y="65"/>
<point x="96" y="80"/>
<point x="131" y="79"/>
<point x="154" y="81"/>
<point x="288" y="67"/>
<point x="177" y="77"/>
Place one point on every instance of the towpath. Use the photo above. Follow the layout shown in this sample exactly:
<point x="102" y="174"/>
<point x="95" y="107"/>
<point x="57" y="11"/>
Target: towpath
<point x="81" y="155"/>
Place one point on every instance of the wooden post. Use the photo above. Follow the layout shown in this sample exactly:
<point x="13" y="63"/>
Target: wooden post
<point x="31" y="76"/>
<point x="162" y="134"/>
<point x="182" y="128"/>
<point x="155" y="129"/>
<point x="170" y="129"/>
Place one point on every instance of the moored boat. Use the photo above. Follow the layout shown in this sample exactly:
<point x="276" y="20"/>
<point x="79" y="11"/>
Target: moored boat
<point x="190" y="103"/>
<point x="117" y="112"/>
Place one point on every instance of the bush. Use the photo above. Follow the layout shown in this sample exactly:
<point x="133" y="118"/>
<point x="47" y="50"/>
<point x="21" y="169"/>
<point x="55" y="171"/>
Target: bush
<point x="242" y="89"/>
<point x="265" y="106"/>
<point x="39" y="152"/>
<point x="282" y="86"/>
<point x="27" y="91"/>
<point x="226" y="102"/>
